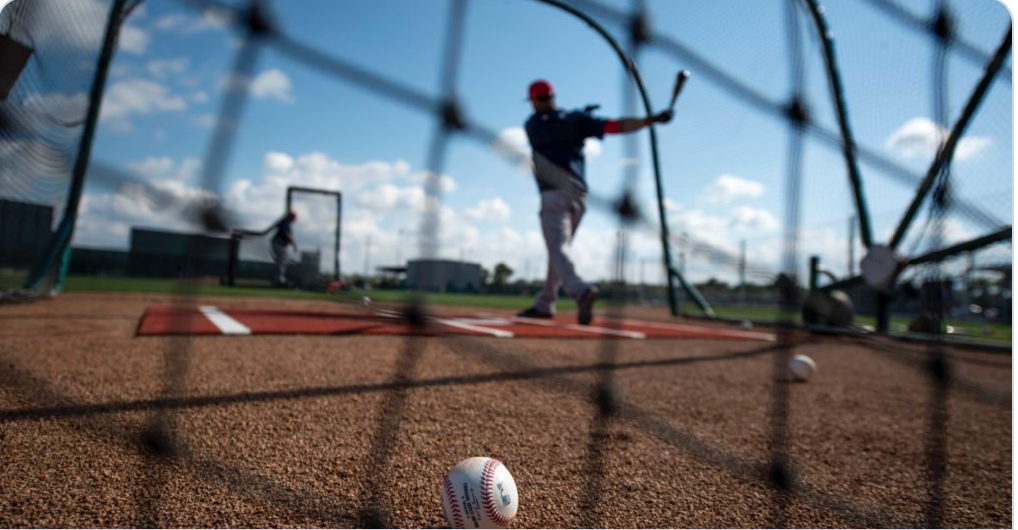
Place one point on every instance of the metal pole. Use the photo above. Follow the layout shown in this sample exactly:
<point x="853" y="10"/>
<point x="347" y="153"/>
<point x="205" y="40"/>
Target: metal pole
<point x="851" y="245"/>
<point x="339" y="230"/>
<point x="841" y="110"/>
<point x="367" y="257"/>
<point x="682" y="254"/>
<point x="814" y="265"/>
<point x="742" y="273"/>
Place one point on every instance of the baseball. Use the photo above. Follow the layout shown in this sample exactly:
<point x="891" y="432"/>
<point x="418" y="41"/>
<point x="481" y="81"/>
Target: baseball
<point x="801" y="367"/>
<point x="479" y="493"/>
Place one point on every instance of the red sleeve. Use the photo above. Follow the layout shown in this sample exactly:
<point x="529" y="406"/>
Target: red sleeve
<point x="612" y="127"/>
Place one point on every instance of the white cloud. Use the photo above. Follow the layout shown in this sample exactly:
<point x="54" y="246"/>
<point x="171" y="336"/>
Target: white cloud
<point x="189" y="25"/>
<point x="728" y="187"/>
<point x="138" y="96"/>
<point x="512" y="144"/>
<point x="390" y="197"/>
<point x="166" y="168"/>
<point x="206" y="121"/>
<point x="494" y="209"/>
<point x="920" y="137"/>
<point x="133" y="40"/>
<point x="747" y="217"/>
<point x="272" y="84"/>
<point x="163" y="68"/>
<point x="318" y="170"/>
<point x="725" y="230"/>
<point x="592" y="147"/>
<point x="276" y="162"/>
<point x="970" y="146"/>
<point x="446" y="184"/>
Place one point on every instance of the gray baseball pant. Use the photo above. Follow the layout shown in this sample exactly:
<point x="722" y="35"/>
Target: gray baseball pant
<point x="561" y="213"/>
<point x="279" y="253"/>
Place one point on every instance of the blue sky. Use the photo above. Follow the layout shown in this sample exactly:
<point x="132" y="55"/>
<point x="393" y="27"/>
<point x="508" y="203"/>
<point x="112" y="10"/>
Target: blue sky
<point x="724" y="163"/>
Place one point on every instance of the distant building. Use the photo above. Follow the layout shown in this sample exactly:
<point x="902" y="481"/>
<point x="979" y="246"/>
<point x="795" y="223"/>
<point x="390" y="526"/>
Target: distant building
<point x="164" y="254"/>
<point x="25" y="230"/>
<point x="443" y="275"/>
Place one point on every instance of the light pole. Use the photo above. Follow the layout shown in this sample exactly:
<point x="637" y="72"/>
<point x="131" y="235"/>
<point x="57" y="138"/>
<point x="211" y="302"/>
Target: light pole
<point x="399" y="245"/>
<point x="367" y="256"/>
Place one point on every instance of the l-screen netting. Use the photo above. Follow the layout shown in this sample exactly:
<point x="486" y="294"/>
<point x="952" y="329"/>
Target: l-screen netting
<point x="310" y="262"/>
<point x="51" y="49"/>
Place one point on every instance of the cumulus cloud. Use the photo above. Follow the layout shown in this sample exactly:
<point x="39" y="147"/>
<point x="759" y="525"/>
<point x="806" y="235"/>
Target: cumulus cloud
<point x="165" y="167"/>
<point x="318" y="170"/>
<point x="724" y="230"/>
<point x="139" y="97"/>
<point x="189" y="25"/>
<point x="383" y="204"/>
<point x="446" y="184"/>
<point x="494" y="209"/>
<point x="163" y="68"/>
<point x="132" y="39"/>
<point x="729" y="187"/>
<point x="205" y="121"/>
<point x="390" y="197"/>
<point x="512" y="144"/>
<point x="921" y="137"/>
<point x="747" y="217"/>
<point x="272" y="84"/>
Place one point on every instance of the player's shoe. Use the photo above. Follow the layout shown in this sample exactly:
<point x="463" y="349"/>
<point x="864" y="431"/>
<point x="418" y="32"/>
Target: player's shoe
<point x="533" y="312"/>
<point x="586" y="306"/>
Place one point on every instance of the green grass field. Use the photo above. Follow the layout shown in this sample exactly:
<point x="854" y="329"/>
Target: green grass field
<point x="978" y="330"/>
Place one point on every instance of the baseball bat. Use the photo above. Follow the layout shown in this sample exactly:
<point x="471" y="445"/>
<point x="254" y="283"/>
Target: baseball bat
<point x="680" y="80"/>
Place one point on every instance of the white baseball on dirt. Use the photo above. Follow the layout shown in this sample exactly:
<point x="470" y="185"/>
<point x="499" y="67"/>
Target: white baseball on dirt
<point x="479" y="493"/>
<point x="801" y="367"/>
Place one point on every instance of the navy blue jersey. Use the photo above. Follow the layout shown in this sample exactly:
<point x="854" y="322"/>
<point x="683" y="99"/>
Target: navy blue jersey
<point x="558" y="137"/>
<point x="284" y="232"/>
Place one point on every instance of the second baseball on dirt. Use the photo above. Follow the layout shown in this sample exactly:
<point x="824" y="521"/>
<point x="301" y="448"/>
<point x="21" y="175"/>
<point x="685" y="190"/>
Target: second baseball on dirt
<point x="801" y="367"/>
<point x="479" y="493"/>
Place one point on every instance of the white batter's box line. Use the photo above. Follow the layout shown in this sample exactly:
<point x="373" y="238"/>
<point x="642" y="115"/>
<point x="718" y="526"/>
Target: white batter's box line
<point x="388" y="313"/>
<point x="589" y="329"/>
<point x="700" y="329"/>
<point x="226" y="324"/>
<point x="500" y="333"/>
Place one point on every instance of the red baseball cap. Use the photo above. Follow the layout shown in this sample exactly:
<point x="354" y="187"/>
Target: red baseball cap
<point x="541" y="88"/>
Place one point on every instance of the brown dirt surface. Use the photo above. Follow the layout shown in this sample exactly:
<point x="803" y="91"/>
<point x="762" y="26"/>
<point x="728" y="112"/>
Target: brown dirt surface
<point x="100" y="428"/>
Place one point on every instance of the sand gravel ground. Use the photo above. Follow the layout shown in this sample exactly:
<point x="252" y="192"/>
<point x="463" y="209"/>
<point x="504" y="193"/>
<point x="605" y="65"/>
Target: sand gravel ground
<point x="99" y="428"/>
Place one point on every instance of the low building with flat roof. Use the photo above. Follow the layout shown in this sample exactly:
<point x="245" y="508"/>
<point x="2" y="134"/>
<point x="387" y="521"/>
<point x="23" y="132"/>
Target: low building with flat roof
<point x="443" y="275"/>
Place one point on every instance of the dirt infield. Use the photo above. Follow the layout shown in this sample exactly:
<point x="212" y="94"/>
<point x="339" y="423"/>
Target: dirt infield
<point x="318" y="431"/>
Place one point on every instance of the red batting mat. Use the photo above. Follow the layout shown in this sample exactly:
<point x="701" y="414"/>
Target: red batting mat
<point x="211" y="320"/>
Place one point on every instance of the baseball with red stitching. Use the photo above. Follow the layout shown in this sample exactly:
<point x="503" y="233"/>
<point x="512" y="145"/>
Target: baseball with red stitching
<point x="479" y="493"/>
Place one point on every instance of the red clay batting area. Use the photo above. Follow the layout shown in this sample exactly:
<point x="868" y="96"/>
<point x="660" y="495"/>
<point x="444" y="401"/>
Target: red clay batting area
<point x="214" y="320"/>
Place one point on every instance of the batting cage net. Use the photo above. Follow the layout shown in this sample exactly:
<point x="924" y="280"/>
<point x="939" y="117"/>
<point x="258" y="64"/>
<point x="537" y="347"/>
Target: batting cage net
<point x="51" y="71"/>
<point x="884" y="234"/>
